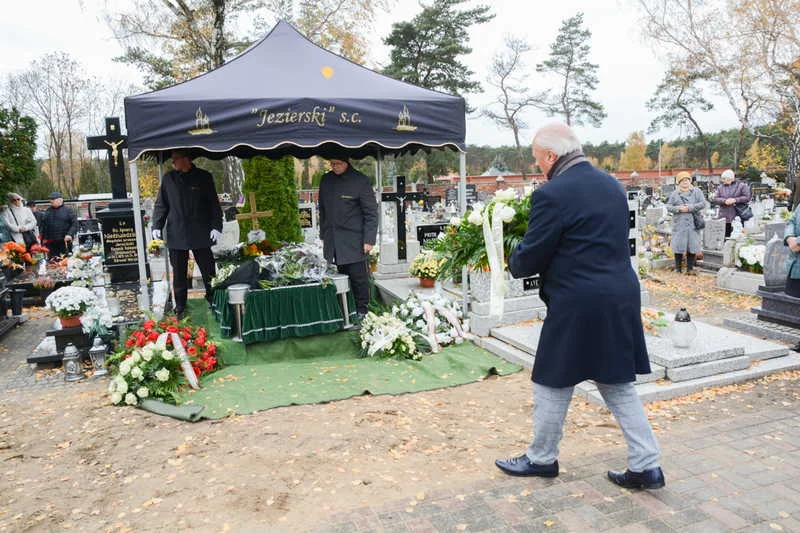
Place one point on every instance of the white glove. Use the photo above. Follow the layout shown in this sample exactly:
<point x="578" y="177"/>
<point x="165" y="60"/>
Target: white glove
<point x="157" y="234"/>
<point x="215" y="235"/>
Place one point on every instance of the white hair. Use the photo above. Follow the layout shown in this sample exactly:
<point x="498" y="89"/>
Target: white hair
<point x="728" y="174"/>
<point x="557" y="137"/>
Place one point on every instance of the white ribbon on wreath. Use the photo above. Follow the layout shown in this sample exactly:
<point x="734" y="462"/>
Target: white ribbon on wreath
<point x="493" y="240"/>
<point x="178" y="348"/>
<point x="429" y="312"/>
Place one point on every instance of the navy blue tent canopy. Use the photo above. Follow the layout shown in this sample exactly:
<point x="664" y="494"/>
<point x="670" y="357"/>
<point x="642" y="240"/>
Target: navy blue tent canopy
<point x="286" y="96"/>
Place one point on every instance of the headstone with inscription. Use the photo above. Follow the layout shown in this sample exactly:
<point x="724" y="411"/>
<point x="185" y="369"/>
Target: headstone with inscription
<point x="308" y="221"/>
<point x="426" y="232"/>
<point x="119" y="236"/>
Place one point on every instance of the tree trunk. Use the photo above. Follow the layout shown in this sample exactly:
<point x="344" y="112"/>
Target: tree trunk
<point x="234" y="177"/>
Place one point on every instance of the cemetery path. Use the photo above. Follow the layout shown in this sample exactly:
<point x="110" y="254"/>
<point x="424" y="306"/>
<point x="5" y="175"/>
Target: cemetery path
<point x="378" y="463"/>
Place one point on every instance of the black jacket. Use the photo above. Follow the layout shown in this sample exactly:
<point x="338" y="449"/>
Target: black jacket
<point x="58" y="223"/>
<point x="348" y="216"/>
<point x="187" y="204"/>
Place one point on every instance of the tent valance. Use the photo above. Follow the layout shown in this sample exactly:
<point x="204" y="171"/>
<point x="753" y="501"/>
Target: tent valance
<point x="286" y="96"/>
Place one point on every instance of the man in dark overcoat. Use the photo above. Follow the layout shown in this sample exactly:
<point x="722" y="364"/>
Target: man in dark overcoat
<point x="348" y="222"/>
<point x="577" y="241"/>
<point x="59" y="227"/>
<point x="187" y="204"/>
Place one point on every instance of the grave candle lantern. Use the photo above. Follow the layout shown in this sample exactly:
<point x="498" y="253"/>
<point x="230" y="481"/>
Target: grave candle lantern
<point x="98" y="355"/>
<point x="683" y="331"/>
<point x="72" y="364"/>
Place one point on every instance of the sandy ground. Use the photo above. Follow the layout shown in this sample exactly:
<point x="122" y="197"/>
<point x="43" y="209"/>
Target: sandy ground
<point x="71" y="461"/>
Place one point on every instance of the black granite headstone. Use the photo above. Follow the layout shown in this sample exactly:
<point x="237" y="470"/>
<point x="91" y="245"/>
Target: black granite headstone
<point x="429" y="232"/>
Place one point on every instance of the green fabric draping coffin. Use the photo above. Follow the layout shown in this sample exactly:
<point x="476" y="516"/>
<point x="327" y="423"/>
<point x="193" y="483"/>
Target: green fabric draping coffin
<point x="284" y="312"/>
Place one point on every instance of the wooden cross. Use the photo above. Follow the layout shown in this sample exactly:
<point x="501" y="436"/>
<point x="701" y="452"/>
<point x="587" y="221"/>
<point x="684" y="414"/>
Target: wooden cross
<point x="253" y="215"/>
<point x="113" y="142"/>
<point x="400" y="197"/>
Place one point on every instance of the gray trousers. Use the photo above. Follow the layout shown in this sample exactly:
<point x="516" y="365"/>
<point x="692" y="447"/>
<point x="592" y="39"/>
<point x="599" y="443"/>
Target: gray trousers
<point x="550" y="407"/>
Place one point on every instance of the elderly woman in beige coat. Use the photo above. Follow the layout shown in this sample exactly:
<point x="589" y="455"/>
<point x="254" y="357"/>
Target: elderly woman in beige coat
<point x="19" y="218"/>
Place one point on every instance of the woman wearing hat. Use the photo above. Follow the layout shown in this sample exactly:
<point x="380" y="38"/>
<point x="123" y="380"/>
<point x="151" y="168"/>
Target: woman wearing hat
<point x="728" y="195"/>
<point x="683" y="203"/>
<point x="19" y="218"/>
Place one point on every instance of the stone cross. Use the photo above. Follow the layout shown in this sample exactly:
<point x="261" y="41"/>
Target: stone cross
<point x="254" y="214"/>
<point x="400" y="197"/>
<point x="113" y="142"/>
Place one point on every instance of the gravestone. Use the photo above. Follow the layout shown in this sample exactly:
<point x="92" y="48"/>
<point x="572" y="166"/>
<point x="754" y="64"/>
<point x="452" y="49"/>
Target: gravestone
<point x="775" y="256"/>
<point x="774" y="228"/>
<point x="653" y="215"/>
<point x="428" y="232"/>
<point x="88" y="234"/>
<point x="451" y="195"/>
<point x="714" y="235"/>
<point x="399" y="198"/>
<point x="229" y="239"/>
<point x="119" y="236"/>
<point x="308" y="221"/>
<point x="472" y="194"/>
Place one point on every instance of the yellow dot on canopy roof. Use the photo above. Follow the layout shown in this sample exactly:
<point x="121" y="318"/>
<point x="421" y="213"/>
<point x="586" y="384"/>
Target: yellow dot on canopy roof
<point x="327" y="72"/>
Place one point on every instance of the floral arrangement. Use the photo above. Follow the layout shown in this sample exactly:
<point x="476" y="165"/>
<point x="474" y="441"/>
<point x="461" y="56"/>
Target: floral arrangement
<point x="70" y="301"/>
<point x="14" y="255"/>
<point x="146" y="372"/>
<point x="97" y="320"/>
<point x="39" y="252"/>
<point x="294" y="264"/>
<point x="412" y="313"/>
<point x="751" y="258"/>
<point x="256" y="249"/>
<point x="781" y="193"/>
<point x="155" y="246"/>
<point x="83" y="272"/>
<point x="462" y="243"/>
<point x="374" y="254"/>
<point x="653" y="321"/>
<point x="223" y="273"/>
<point x="202" y="353"/>
<point x="427" y="264"/>
<point x="388" y="336"/>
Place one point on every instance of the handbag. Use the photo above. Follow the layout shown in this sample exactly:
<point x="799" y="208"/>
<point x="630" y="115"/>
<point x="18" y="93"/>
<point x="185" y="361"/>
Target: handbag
<point x="699" y="221"/>
<point x="28" y="236"/>
<point x="743" y="211"/>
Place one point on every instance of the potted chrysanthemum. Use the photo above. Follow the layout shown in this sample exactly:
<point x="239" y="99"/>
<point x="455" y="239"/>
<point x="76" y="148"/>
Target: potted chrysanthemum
<point x="426" y="266"/>
<point x="69" y="303"/>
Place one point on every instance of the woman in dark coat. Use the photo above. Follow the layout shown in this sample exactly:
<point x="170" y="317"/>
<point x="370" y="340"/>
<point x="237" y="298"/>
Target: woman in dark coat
<point x="577" y="241"/>
<point x="731" y="193"/>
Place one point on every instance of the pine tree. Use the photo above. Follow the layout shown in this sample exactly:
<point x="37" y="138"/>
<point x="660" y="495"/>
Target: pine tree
<point x="273" y="183"/>
<point x="569" y="59"/>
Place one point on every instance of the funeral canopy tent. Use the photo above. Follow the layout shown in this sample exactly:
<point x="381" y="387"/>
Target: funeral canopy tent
<point x="285" y="95"/>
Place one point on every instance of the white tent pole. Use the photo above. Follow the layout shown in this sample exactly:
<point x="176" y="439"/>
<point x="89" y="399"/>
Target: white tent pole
<point x="137" y="225"/>
<point x="462" y="208"/>
<point x="462" y="183"/>
<point x="378" y="191"/>
<point x="167" y="270"/>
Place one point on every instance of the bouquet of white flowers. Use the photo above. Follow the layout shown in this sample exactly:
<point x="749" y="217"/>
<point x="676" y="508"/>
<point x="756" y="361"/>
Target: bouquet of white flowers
<point x="751" y="258"/>
<point x="70" y="301"/>
<point x="387" y="335"/>
<point x="148" y="372"/>
<point x="444" y="314"/>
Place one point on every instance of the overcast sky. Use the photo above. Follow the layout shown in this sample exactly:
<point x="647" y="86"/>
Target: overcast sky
<point x="628" y="72"/>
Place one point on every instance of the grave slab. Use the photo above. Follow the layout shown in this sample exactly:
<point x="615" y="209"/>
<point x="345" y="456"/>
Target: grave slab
<point x="701" y="370"/>
<point x="735" y="280"/>
<point x="764" y="329"/>
<point x="711" y="344"/>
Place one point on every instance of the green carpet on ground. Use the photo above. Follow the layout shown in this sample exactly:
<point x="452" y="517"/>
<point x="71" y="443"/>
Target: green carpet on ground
<point x="323" y="368"/>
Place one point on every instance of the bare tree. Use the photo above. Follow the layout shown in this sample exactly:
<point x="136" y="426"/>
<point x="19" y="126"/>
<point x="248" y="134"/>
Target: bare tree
<point x="678" y="98"/>
<point x="54" y="90"/>
<point x="508" y="77"/>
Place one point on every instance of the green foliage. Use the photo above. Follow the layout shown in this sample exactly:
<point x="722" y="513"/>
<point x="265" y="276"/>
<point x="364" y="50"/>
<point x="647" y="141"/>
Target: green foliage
<point x="17" y="148"/>
<point x="425" y="51"/>
<point x="569" y="60"/>
<point x="274" y="186"/>
<point x="39" y="188"/>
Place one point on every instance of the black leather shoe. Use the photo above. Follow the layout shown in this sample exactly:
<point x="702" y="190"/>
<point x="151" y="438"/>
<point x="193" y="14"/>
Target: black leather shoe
<point x="652" y="478"/>
<point x="522" y="466"/>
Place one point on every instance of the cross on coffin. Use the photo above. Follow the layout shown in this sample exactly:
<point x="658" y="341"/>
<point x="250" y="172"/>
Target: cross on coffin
<point x="113" y="142"/>
<point x="400" y="197"/>
<point x="254" y="214"/>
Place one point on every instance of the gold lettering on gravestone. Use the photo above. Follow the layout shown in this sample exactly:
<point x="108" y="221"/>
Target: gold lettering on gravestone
<point x="305" y="218"/>
<point x="121" y="244"/>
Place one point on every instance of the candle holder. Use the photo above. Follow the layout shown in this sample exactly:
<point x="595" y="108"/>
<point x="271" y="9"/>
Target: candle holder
<point x="72" y="364"/>
<point x="683" y="331"/>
